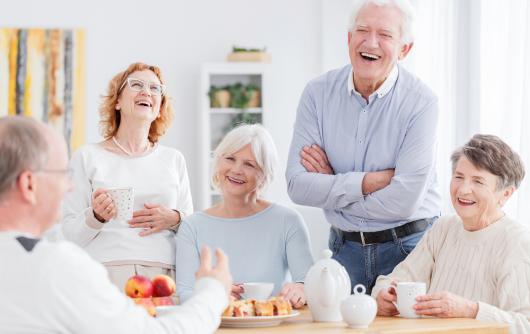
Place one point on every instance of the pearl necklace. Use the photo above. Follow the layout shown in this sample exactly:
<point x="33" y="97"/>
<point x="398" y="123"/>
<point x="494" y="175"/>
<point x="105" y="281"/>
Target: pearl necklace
<point x="129" y="153"/>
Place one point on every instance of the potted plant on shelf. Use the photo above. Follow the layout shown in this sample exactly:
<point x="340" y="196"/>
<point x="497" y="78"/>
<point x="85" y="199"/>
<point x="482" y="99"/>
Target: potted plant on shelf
<point x="219" y="96"/>
<point x="253" y="94"/>
<point x="243" y="54"/>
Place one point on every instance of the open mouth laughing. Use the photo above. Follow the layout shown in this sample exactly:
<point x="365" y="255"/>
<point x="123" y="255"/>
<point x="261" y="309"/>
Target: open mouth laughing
<point x="369" y="56"/>
<point x="143" y="103"/>
<point x="236" y="181"/>
<point x="465" y="202"/>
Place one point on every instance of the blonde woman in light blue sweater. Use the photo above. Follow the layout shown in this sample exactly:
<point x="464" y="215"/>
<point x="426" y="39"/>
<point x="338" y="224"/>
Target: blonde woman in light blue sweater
<point x="266" y="242"/>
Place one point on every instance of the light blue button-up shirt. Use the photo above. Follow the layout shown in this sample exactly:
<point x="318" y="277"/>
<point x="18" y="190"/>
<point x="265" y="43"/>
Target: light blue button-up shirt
<point x="397" y="129"/>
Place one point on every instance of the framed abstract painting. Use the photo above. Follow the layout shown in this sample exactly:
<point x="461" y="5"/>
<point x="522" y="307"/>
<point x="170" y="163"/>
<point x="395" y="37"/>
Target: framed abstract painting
<point x="42" y="75"/>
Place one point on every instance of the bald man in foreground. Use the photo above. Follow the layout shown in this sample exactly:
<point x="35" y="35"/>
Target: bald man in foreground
<point x="56" y="287"/>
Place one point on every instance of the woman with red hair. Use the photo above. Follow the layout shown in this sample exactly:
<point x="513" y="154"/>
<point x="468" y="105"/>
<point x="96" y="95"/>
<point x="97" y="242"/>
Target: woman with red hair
<point x="134" y="114"/>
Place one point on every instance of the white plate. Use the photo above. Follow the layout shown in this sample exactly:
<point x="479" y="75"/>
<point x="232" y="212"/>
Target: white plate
<point x="256" y="321"/>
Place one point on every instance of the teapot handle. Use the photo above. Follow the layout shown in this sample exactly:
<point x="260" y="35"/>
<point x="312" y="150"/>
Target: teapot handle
<point x="395" y="289"/>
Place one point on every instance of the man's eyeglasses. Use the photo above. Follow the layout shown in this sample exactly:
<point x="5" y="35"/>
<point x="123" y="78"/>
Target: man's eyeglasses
<point x="69" y="172"/>
<point x="138" y="85"/>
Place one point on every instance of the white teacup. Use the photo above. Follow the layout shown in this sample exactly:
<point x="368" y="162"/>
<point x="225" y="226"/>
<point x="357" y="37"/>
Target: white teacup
<point x="123" y="199"/>
<point x="258" y="291"/>
<point x="406" y="297"/>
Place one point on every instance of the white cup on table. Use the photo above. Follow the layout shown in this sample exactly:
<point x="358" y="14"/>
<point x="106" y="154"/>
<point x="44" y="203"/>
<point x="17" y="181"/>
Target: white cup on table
<point x="258" y="291"/>
<point x="406" y="297"/>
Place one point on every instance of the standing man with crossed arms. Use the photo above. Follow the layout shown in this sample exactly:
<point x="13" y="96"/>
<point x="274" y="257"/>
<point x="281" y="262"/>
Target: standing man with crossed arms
<point x="364" y="146"/>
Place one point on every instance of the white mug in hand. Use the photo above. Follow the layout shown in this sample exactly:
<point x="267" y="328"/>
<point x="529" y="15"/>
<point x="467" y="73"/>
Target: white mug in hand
<point x="123" y="199"/>
<point x="406" y="297"/>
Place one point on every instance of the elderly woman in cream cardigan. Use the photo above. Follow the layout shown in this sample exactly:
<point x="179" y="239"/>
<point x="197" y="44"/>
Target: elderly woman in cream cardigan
<point x="476" y="263"/>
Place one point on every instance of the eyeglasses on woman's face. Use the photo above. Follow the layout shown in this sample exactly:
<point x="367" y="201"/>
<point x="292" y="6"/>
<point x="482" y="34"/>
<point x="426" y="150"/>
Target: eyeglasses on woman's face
<point x="138" y="85"/>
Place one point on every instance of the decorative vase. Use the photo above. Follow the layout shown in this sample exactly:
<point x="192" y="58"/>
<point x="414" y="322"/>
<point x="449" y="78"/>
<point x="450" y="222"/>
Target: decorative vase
<point x="221" y="99"/>
<point x="255" y="100"/>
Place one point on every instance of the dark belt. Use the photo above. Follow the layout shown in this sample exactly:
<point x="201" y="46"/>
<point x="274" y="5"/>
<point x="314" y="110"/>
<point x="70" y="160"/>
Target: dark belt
<point x="379" y="237"/>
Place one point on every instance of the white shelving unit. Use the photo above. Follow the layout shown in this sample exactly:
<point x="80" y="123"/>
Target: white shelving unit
<point x="214" y="121"/>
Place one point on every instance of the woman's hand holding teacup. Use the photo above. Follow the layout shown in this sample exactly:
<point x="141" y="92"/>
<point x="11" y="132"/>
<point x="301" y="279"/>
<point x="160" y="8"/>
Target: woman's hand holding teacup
<point x="294" y="293"/>
<point x="237" y="290"/>
<point x="384" y="299"/>
<point x="102" y="205"/>
<point x="157" y="218"/>
<point x="446" y="305"/>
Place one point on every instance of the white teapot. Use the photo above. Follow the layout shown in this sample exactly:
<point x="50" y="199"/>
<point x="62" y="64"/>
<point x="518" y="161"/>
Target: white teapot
<point x="327" y="284"/>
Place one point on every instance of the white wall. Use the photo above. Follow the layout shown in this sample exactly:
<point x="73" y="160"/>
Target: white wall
<point x="178" y="36"/>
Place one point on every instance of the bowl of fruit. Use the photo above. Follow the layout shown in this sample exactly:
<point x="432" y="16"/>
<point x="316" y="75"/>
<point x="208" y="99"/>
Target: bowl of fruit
<point x="159" y="292"/>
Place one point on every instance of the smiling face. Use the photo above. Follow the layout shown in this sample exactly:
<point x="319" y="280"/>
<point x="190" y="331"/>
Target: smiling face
<point x="475" y="197"/>
<point x="239" y="173"/>
<point x="140" y="105"/>
<point x="374" y="43"/>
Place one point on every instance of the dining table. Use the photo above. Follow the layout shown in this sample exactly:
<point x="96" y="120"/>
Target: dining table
<point x="304" y="323"/>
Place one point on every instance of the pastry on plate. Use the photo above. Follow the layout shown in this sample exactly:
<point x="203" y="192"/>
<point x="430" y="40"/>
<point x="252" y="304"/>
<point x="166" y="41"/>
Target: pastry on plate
<point x="229" y="312"/>
<point x="281" y="305"/>
<point x="244" y="308"/>
<point x="264" y="309"/>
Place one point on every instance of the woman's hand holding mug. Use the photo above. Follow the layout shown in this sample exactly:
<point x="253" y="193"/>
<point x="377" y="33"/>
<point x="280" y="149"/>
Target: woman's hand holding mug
<point x="102" y="205"/>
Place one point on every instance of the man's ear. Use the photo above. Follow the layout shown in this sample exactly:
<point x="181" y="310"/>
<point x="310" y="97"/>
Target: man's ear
<point x="405" y="49"/>
<point x="349" y="37"/>
<point x="27" y="186"/>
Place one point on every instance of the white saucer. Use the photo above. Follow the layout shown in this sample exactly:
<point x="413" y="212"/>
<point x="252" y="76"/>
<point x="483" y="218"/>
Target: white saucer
<point x="256" y="321"/>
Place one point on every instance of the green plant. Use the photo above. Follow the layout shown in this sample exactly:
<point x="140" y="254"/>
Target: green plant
<point x="242" y="118"/>
<point x="241" y="95"/>
<point x="238" y="98"/>
<point x="236" y="49"/>
<point x="211" y="94"/>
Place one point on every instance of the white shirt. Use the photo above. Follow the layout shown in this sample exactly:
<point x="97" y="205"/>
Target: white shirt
<point x="383" y="89"/>
<point x="58" y="288"/>
<point x="158" y="177"/>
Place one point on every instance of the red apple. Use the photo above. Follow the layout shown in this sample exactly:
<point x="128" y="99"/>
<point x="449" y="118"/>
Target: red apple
<point x="139" y="287"/>
<point x="164" y="286"/>
<point x="147" y="303"/>
<point x="163" y="301"/>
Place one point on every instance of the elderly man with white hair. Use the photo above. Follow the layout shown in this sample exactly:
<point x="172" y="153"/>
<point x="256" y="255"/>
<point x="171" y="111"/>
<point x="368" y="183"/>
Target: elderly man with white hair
<point x="58" y="287"/>
<point x="364" y="146"/>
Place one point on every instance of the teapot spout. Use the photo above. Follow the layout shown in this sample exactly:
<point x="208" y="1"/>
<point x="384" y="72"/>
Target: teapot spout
<point x="326" y="288"/>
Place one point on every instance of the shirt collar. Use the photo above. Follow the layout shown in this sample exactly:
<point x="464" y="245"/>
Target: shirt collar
<point x="383" y="89"/>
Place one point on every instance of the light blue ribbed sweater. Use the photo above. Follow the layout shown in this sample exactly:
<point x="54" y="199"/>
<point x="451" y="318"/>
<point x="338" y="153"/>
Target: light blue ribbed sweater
<point x="270" y="246"/>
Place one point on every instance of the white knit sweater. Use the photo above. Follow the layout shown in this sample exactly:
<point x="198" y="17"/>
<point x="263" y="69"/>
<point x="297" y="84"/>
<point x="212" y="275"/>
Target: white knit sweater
<point x="158" y="177"/>
<point x="490" y="266"/>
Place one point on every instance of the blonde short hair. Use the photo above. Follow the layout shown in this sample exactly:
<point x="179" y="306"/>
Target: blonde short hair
<point x="110" y="117"/>
<point x="262" y="146"/>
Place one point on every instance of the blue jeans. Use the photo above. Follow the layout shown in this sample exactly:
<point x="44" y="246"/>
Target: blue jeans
<point x="365" y="263"/>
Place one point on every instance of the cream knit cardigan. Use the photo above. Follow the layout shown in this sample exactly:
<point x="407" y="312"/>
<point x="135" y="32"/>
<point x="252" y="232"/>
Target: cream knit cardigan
<point x="490" y="266"/>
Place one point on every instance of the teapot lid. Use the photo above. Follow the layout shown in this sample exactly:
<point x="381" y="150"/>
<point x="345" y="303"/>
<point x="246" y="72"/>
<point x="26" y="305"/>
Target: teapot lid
<point x="327" y="261"/>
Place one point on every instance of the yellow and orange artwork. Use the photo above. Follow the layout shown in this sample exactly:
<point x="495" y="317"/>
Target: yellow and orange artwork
<point x="42" y="75"/>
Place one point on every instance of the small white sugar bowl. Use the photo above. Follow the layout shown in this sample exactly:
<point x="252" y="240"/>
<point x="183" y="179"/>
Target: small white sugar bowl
<point x="359" y="309"/>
